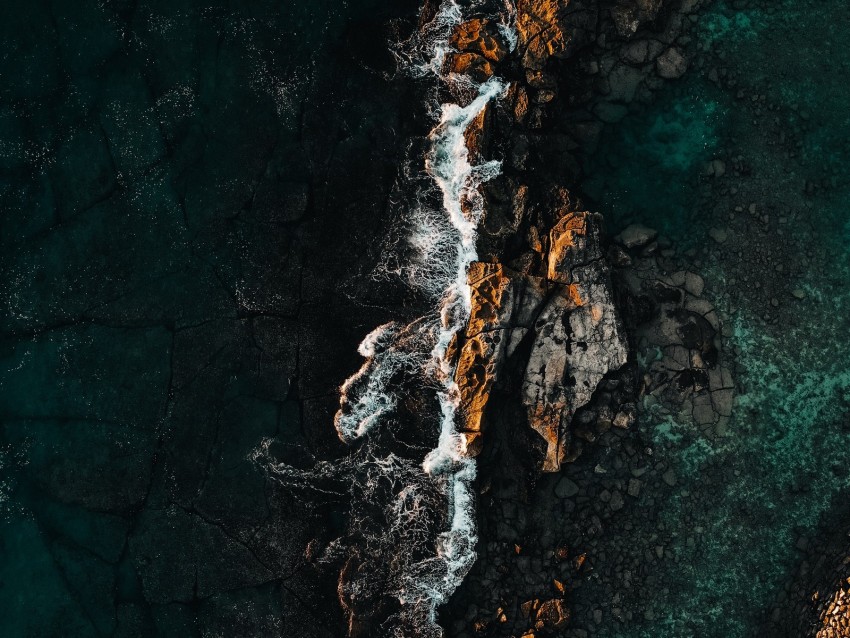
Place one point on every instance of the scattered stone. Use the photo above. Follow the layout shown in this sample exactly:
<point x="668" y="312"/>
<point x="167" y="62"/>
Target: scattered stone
<point x="554" y="613"/>
<point x="624" y="419"/>
<point x="634" y="487"/>
<point x="635" y="52"/>
<point x="636" y="236"/>
<point x="565" y="488"/>
<point x="718" y="234"/>
<point x="694" y="284"/>
<point x="669" y="477"/>
<point x="616" y="503"/>
<point x="799" y="293"/>
<point x="671" y="64"/>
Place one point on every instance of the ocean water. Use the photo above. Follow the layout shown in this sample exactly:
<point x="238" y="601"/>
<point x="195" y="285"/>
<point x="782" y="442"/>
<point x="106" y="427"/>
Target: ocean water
<point x="165" y="167"/>
<point x="781" y="468"/>
<point x="133" y="137"/>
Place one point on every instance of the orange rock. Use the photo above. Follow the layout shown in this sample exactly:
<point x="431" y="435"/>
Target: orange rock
<point x="554" y="613"/>
<point x="567" y="240"/>
<point x="474" y="136"/>
<point x="540" y="31"/>
<point x="480" y="36"/>
<point x="475" y="374"/>
<point x="490" y="292"/>
<point x="546" y="421"/>
<point x="574" y="291"/>
<point x="475" y="66"/>
<point x="473" y="443"/>
<point x="579" y="561"/>
<point x="484" y="340"/>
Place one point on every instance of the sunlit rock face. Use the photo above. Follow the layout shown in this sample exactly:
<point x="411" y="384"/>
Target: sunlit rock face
<point x="565" y="314"/>
<point x="835" y="614"/>
<point x="578" y="335"/>
<point x="541" y="296"/>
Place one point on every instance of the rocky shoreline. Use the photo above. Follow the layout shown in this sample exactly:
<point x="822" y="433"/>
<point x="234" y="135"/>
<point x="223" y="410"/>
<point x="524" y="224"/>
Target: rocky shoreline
<point x="207" y="213"/>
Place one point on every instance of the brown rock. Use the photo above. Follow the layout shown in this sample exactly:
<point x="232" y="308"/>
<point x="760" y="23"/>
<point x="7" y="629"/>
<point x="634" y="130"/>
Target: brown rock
<point x="540" y="31"/>
<point x="476" y="371"/>
<point x="573" y="239"/>
<point x="480" y="36"/>
<point x="521" y="106"/>
<point x="554" y="613"/>
<point x="475" y="66"/>
<point x="481" y="354"/>
<point x="491" y="297"/>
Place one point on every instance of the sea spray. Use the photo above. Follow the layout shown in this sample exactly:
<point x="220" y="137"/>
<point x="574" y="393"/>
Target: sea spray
<point x="412" y="519"/>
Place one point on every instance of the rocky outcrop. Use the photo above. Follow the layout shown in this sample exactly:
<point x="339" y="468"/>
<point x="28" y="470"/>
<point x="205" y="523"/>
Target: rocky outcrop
<point x="566" y="317"/>
<point x="479" y="46"/>
<point x="547" y="304"/>
<point x="578" y="335"/>
<point x="815" y="602"/>
<point x="834" y="614"/>
<point x="481" y="37"/>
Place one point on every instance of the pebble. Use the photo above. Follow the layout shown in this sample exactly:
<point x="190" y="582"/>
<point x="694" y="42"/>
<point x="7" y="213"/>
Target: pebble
<point x="565" y="488"/>
<point x="616" y="501"/>
<point x="636" y="235"/>
<point x="718" y="234"/>
<point x="669" y="477"/>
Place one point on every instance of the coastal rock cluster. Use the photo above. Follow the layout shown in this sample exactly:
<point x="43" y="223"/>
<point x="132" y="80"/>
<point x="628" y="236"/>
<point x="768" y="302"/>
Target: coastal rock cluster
<point x="562" y="322"/>
<point x="543" y="292"/>
<point x="548" y="364"/>
<point x="678" y="333"/>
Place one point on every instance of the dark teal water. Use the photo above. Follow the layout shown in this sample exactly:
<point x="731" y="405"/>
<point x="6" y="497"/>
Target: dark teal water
<point x="746" y="497"/>
<point x="165" y="167"/>
<point x="134" y="139"/>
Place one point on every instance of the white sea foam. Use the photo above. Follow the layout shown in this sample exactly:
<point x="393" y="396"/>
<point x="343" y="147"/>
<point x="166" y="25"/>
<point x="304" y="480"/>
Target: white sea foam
<point x="444" y="245"/>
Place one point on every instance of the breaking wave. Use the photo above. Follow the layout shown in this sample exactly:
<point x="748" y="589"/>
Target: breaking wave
<point x="412" y="530"/>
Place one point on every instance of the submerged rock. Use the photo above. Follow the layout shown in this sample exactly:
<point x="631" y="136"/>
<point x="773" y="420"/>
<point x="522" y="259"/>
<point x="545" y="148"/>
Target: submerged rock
<point x="671" y="64"/>
<point x="636" y="236"/>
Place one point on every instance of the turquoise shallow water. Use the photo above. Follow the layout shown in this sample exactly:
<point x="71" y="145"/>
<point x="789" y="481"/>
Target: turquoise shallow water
<point x="783" y="464"/>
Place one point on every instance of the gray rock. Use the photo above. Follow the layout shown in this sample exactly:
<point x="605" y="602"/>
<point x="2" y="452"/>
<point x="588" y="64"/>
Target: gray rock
<point x="565" y="488"/>
<point x="623" y="81"/>
<point x="694" y="284"/>
<point x="718" y="234"/>
<point x="616" y="501"/>
<point x="636" y="236"/>
<point x="671" y="64"/>
<point x="669" y="477"/>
